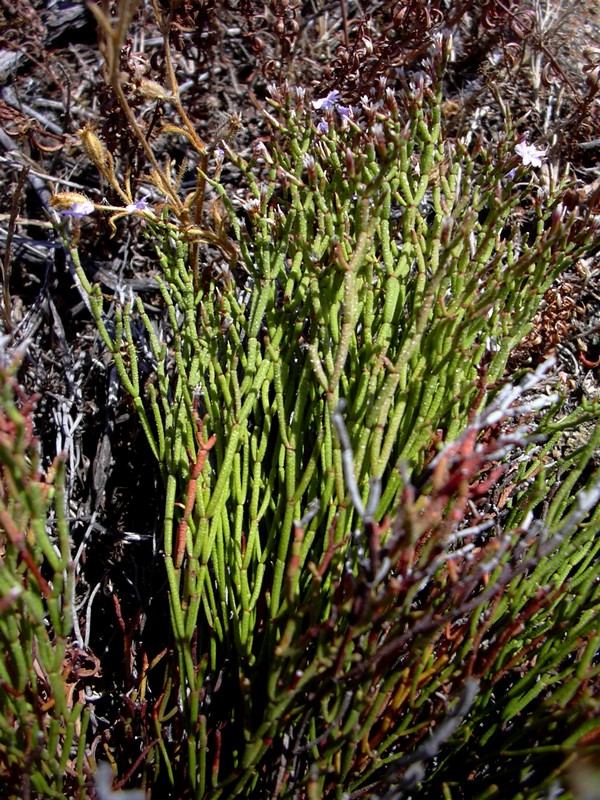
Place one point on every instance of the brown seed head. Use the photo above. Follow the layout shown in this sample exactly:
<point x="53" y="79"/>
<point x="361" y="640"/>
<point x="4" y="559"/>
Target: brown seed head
<point x="153" y="90"/>
<point x="94" y="149"/>
<point x="63" y="201"/>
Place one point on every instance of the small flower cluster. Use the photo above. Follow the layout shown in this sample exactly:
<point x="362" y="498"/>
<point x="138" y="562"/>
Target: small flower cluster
<point x="77" y="206"/>
<point x="329" y="104"/>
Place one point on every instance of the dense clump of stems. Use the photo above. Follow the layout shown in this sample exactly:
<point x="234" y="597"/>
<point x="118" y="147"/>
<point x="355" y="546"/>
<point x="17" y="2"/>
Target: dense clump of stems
<point x="375" y="287"/>
<point x="380" y="581"/>
<point x="43" y="719"/>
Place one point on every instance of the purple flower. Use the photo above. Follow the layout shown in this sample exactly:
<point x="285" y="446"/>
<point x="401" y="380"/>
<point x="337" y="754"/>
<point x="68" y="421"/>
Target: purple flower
<point x="328" y="103"/>
<point x="420" y="81"/>
<point x="529" y="154"/>
<point x="78" y="209"/>
<point x="72" y="204"/>
<point x="140" y="205"/>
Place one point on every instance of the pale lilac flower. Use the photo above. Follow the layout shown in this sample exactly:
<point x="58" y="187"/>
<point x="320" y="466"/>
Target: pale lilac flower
<point x="344" y="111"/>
<point x="78" y="209"/>
<point x="328" y="103"/>
<point x="529" y="154"/>
<point x="323" y="126"/>
<point x="443" y="40"/>
<point x="140" y="205"/>
<point x="370" y="105"/>
<point x="419" y="81"/>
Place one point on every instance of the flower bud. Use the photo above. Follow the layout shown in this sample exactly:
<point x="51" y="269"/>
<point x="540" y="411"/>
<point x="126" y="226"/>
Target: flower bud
<point x="557" y="218"/>
<point x="350" y="163"/>
<point x="593" y="77"/>
<point x="309" y="164"/>
<point x="260" y="151"/>
<point x="447" y="231"/>
<point x="391" y="103"/>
